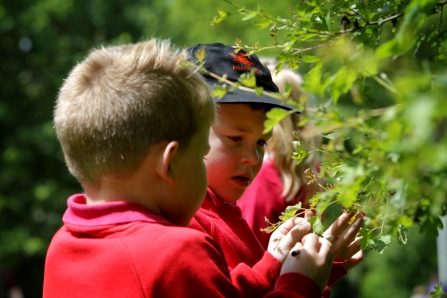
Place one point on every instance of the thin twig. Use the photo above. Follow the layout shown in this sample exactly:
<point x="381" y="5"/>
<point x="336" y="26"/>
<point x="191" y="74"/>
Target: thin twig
<point x="282" y="46"/>
<point x="396" y="16"/>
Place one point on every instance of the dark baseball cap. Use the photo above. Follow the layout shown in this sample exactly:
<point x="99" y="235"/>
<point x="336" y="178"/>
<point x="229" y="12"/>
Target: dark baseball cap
<point x="222" y="60"/>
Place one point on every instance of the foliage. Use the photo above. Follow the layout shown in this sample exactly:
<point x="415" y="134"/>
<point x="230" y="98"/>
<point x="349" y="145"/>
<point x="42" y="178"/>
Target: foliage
<point x="375" y="72"/>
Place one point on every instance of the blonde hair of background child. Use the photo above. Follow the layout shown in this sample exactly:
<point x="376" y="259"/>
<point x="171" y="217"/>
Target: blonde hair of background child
<point x="280" y="148"/>
<point x="122" y="100"/>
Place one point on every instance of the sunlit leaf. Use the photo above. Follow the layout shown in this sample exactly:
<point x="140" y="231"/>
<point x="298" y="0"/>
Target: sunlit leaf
<point x="402" y="237"/>
<point x="274" y="116"/>
<point x="311" y="59"/>
<point x="317" y="225"/>
<point x="261" y="24"/>
<point x="219" y="91"/>
<point x="201" y="54"/>
<point x="342" y="82"/>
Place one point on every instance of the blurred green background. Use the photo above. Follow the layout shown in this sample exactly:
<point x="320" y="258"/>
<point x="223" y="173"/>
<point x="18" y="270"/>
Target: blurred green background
<point x="40" y="41"/>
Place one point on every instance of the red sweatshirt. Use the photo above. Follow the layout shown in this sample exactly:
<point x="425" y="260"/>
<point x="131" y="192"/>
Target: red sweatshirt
<point x="250" y="265"/>
<point x="263" y="199"/>
<point x="121" y="249"/>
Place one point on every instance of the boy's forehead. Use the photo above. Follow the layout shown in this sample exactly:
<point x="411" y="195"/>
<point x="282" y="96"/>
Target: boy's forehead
<point x="241" y="117"/>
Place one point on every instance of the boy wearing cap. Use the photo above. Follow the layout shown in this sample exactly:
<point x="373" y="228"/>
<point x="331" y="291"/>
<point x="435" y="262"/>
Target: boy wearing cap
<point x="237" y="149"/>
<point x="132" y="124"/>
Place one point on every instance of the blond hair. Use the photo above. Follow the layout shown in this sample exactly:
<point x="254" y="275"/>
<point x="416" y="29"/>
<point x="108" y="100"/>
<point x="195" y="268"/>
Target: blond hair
<point x="122" y="100"/>
<point x="280" y="146"/>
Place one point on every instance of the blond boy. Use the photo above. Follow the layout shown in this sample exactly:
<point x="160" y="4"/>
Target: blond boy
<point x="238" y="141"/>
<point x="133" y="125"/>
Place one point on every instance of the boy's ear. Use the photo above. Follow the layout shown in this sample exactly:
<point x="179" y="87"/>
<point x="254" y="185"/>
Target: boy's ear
<point x="164" y="167"/>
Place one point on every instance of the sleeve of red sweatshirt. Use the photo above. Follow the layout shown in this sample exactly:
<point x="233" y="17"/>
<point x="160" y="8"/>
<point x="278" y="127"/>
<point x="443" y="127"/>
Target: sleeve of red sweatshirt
<point x="252" y="281"/>
<point x="258" y="280"/>
<point x="295" y="285"/>
<point x="337" y="272"/>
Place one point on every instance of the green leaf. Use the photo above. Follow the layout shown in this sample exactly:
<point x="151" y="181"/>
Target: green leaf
<point x="382" y="243"/>
<point x="342" y="82"/>
<point x="314" y="200"/>
<point x="290" y="212"/>
<point x="438" y="292"/>
<point x="201" y="54"/>
<point x="249" y="16"/>
<point x="222" y="15"/>
<point x="259" y="91"/>
<point x="274" y="116"/>
<point x="414" y="18"/>
<point x="366" y="239"/>
<point x="402" y="237"/>
<point x="248" y="80"/>
<point x="327" y="19"/>
<point x="367" y="66"/>
<point x="348" y="196"/>
<point x="261" y="24"/>
<point x="388" y="49"/>
<point x="331" y="136"/>
<point x="406" y="221"/>
<point x="431" y="225"/>
<point x="219" y="91"/>
<point x="311" y="59"/>
<point x="317" y="225"/>
<point x="299" y="154"/>
<point x="313" y="82"/>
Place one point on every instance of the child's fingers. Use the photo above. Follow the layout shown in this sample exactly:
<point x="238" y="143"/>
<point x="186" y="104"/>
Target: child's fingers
<point x="353" y="261"/>
<point x="340" y="224"/>
<point x="286" y="237"/>
<point x="348" y="235"/>
<point x="348" y="251"/>
<point x="288" y="225"/>
<point x="308" y="214"/>
<point x="296" y="234"/>
<point x="311" y="241"/>
<point x="325" y="247"/>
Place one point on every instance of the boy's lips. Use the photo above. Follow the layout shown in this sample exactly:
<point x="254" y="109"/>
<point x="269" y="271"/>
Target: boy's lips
<point x="242" y="180"/>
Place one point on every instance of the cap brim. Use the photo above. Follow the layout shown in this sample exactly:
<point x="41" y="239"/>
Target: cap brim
<point x="241" y="96"/>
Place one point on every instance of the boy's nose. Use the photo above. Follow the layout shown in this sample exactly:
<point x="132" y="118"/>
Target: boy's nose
<point x="251" y="157"/>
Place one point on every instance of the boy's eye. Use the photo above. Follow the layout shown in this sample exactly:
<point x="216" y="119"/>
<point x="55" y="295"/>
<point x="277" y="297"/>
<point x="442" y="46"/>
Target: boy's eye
<point x="235" y="139"/>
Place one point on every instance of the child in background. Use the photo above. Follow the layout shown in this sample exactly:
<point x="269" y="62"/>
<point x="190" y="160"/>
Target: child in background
<point x="134" y="126"/>
<point x="237" y="149"/>
<point x="280" y="182"/>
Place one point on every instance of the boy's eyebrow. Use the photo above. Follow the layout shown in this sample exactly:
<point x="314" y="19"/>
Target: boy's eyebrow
<point x="242" y="128"/>
<point x="248" y="129"/>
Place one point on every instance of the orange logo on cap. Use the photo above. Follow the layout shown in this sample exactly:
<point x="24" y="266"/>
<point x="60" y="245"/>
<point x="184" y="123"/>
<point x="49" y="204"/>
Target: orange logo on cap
<point x="242" y="58"/>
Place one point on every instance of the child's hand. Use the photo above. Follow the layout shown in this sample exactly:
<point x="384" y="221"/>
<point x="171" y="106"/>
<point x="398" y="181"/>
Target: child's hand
<point x="286" y="236"/>
<point x="345" y="245"/>
<point x="314" y="260"/>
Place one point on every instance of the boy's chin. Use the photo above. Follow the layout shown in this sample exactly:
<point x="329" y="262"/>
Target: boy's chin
<point x="232" y="197"/>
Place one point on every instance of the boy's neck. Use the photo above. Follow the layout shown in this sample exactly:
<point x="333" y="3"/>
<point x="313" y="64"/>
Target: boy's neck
<point x="136" y="187"/>
<point x="217" y="200"/>
<point x="118" y="191"/>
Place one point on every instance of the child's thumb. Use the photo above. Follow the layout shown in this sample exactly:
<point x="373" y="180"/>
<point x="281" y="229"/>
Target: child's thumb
<point x="295" y="235"/>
